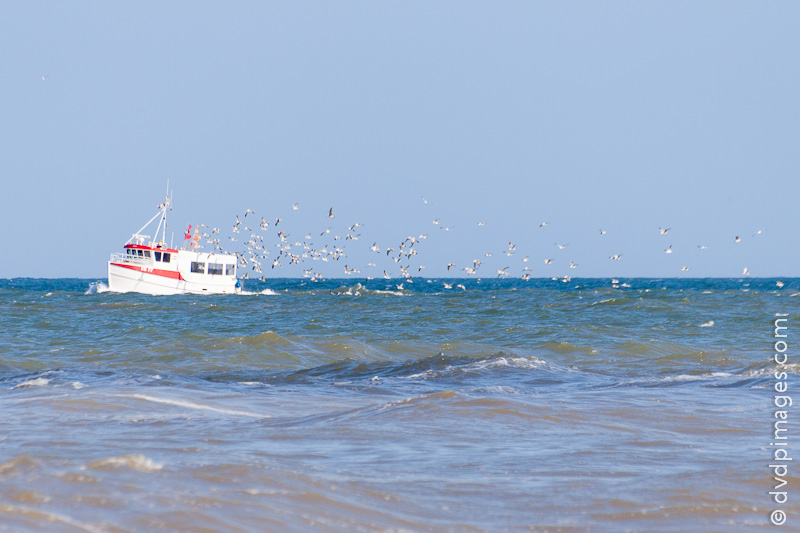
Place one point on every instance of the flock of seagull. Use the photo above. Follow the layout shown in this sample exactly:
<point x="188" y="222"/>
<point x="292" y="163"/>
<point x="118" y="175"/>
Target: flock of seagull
<point x="255" y="254"/>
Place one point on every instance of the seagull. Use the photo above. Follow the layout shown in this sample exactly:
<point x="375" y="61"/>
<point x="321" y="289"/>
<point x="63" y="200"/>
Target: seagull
<point x="779" y="283"/>
<point x="447" y="285"/>
<point x="548" y="261"/>
<point x="737" y="239"/>
<point x="294" y="207"/>
<point x="759" y="232"/>
<point x="746" y="271"/>
<point x="703" y="246"/>
<point x="684" y="269"/>
<point x="424" y="201"/>
<point x="277" y="220"/>
<point x="561" y="246"/>
<point x="615" y="257"/>
<point x="573" y="265"/>
<point x="602" y="232"/>
<point x="330" y="213"/>
<point x="503" y="272"/>
<point x="663" y="231"/>
<point x="544" y="224"/>
<point x="511" y="247"/>
<point x="436" y="221"/>
<point x="460" y="286"/>
<point x="375" y="248"/>
<point x="481" y="223"/>
<point x="249" y="211"/>
<point x="668" y="250"/>
<point x="449" y="265"/>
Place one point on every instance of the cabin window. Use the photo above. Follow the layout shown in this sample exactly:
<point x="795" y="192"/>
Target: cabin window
<point x="198" y="268"/>
<point x="158" y="256"/>
<point x="140" y="253"/>
<point x="166" y="257"/>
<point x="147" y="254"/>
<point x="230" y="270"/>
<point x="215" y="269"/>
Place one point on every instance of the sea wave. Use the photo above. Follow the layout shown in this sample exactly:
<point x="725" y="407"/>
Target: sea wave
<point x="134" y="462"/>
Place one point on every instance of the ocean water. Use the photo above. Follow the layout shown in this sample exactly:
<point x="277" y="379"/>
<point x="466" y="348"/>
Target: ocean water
<point x="643" y="405"/>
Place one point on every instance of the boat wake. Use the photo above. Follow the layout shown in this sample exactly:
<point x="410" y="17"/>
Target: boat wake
<point x="97" y="287"/>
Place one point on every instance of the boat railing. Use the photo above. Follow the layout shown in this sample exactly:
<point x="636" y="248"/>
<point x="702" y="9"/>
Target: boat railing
<point x="131" y="259"/>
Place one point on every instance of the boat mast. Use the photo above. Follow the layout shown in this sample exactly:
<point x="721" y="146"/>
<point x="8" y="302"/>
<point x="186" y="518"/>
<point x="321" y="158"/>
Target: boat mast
<point x="162" y="212"/>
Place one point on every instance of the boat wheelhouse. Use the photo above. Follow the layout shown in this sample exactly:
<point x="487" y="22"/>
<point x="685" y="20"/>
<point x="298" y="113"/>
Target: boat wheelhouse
<point x="151" y="267"/>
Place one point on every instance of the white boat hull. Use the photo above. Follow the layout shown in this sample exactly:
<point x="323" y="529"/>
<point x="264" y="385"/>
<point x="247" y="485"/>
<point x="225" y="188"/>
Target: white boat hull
<point x="125" y="278"/>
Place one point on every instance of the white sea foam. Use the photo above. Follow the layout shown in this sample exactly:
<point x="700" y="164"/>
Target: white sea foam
<point x="38" y="382"/>
<point x="265" y="292"/>
<point x="514" y="362"/>
<point x="97" y="287"/>
<point x="708" y="324"/>
<point x="190" y="405"/>
<point x="134" y="461"/>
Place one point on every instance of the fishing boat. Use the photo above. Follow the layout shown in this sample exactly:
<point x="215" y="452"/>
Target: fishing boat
<point x="149" y="266"/>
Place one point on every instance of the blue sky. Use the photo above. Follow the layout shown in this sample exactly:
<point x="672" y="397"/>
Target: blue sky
<point x="621" y="116"/>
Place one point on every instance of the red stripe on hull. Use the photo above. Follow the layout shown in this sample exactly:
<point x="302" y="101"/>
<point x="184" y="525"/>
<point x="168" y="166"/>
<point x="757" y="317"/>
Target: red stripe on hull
<point x="155" y="271"/>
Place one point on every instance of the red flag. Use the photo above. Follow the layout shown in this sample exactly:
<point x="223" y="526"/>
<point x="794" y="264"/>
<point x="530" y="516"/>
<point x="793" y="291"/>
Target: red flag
<point x="188" y="234"/>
